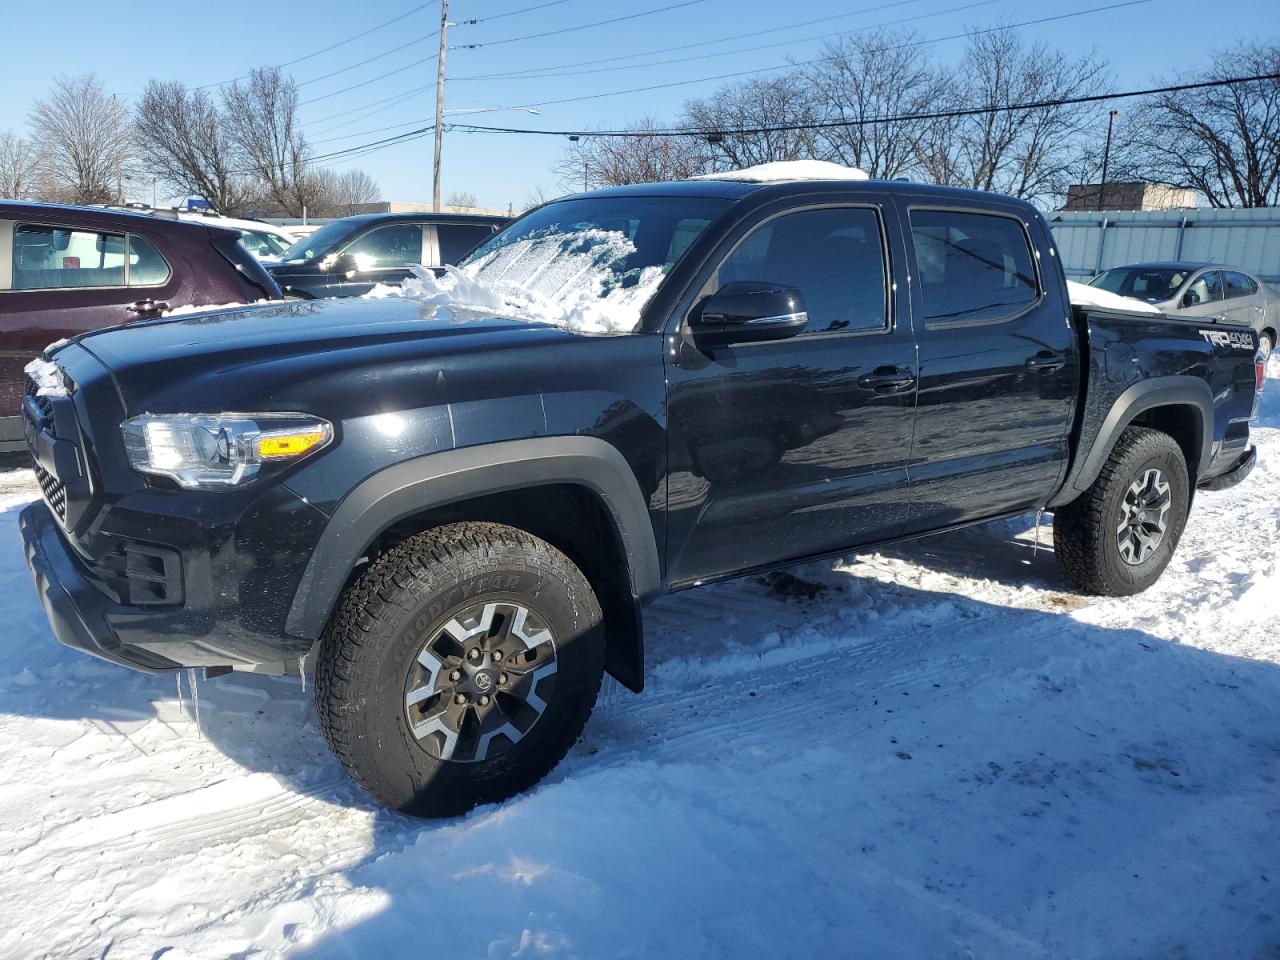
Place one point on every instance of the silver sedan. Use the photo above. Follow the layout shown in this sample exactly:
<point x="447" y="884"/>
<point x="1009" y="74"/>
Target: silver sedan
<point x="1204" y="291"/>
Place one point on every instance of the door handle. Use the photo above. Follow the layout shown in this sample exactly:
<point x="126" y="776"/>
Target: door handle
<point x="147" y="306"/>
<point x="1046" y="361"/>
<point x="887" y="380"/>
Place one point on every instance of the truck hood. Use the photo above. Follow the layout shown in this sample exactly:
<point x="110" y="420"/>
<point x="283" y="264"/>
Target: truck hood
<point x="271" y="356"/>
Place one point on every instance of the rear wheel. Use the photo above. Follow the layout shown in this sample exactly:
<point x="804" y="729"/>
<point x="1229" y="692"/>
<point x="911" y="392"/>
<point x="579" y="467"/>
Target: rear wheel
<point x="1117" y="538"/>
<point x="1266" y="343"/>
<point x="459" y="668"/>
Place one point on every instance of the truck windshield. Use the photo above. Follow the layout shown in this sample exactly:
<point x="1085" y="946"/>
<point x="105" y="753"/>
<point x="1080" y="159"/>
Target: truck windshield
<point x="317" y="244"/>
<point x="1151" y="284"/>
<point x="589" y="264"/>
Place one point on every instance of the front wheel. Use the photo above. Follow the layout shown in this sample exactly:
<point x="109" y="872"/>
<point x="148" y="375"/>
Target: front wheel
<point x="1119" y="535"/>
<point x="460" y="668"/>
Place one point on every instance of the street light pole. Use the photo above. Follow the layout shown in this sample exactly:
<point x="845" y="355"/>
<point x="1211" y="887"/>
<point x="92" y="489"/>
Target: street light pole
<point x="1106" y="157"/>
<point x="444" y="32"/>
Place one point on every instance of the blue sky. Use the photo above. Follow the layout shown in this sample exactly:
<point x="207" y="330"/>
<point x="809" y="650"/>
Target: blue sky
<point x="207" y="43"/>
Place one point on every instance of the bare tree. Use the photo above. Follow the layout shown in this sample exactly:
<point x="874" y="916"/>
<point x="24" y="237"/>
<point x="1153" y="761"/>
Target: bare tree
<point x="185" y="141"/>
<point x="1223" y="142"/>
<point x="18" y="167"/>
<point x="640" y="156"/>
<point x="261" y="119"/>
<point x="749" y="105"/>
<point x="80" y="130"/>
<point x="866" y="76"/>
<point x="1027" y="153"/>
<point x="462" y="199"/>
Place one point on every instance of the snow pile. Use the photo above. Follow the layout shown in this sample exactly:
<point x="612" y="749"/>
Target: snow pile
<point x="1083" y="295"/>
<point x="783" y="170"/>
<point x="576" y="281"/>
<point x="48" y="378"/>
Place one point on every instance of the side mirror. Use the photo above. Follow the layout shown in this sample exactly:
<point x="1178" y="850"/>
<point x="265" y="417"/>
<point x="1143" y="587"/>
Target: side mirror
<point x="748" y="311"/>
<point x="1190" y="298"/>
<point x="344" y="264"/>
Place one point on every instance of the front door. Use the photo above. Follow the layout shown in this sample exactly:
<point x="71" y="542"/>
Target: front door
<point x="383" y="255"/>
<point x="790" y="448"/>
<point x="1204" y="298"/>
<point x="999" y="366"/>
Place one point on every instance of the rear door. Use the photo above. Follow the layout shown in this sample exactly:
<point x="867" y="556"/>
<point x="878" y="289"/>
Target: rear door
<point x="999" y="364"/>
<point x="453" y="241"/>
<point x="1245" y="304"/>
<point x="795" y="447"/>
<point x="58" y="280"/>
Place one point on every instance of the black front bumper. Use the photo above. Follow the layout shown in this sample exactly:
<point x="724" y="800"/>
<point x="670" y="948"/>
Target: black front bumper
<point x="1233" y="475"/>
<point x="77" y="610"/>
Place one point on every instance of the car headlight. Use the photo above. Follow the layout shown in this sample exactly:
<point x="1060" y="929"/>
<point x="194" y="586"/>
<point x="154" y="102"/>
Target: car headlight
<point x="216" y="451"/>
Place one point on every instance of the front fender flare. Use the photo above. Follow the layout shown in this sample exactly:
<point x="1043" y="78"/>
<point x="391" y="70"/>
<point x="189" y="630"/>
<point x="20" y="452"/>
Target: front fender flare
<point x="438" y="479"/>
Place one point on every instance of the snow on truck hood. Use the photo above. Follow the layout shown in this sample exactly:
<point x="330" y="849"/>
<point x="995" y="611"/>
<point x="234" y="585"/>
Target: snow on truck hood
<point x="1083" y="295"/>
<point x="566" y="280"/>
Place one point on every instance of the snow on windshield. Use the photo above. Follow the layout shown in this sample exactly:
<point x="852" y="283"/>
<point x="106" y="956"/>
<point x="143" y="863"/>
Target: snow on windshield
<point x="782" y="170"/>
<point x="575" y="280"/>
<point x="1083" y="295"/>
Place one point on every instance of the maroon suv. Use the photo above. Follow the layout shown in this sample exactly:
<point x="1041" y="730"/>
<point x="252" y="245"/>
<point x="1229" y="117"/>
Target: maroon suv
<point x="65" y="270"/>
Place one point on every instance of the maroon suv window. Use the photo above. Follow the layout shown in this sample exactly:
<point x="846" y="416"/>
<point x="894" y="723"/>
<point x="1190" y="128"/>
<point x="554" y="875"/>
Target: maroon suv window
<point x="62" y="258"/>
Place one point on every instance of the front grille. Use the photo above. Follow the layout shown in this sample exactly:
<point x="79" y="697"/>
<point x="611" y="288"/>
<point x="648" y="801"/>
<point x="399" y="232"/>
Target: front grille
<point x="44" y="403"/>
<point x="54" y="493"/>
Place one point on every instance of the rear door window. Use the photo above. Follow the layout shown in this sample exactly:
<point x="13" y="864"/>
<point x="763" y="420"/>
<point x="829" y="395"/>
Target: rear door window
<point x="54" y="258"/>
<point x="972" y="267"/>
<point x="459" y="239"/>
<point x="1238" y="285"/>
<point x="64" y="258"/>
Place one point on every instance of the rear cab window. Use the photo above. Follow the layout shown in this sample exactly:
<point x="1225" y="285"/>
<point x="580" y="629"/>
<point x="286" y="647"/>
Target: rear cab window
<point x="972" y="267"/>
<point x="63" y="258"/>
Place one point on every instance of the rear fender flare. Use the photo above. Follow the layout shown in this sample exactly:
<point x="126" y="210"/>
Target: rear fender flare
<point x="1136" y="400"/>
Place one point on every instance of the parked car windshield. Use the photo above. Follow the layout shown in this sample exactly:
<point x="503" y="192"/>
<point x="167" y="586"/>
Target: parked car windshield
<point x="1151" y="284"/>
<point x="319" y="243"/>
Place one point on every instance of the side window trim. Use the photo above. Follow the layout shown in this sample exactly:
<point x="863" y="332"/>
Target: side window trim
<point x="6" y="256"/>
<point x="1032" y="250"/>
<point x="430" y="245"/>
<point x="712" y="282"/>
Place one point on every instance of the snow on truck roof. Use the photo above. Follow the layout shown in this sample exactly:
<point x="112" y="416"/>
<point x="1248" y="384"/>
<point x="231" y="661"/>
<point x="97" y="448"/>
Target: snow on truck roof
<point x="783" y="170"/>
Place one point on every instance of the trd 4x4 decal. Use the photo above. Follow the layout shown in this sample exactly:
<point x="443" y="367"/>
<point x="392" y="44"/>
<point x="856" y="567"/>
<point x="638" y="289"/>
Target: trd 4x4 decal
<point x="1223" y="338"/>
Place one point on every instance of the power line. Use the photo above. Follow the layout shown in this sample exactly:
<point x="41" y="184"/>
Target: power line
<point x="867" y="121"/>
<point x="580" y="26"/>
<point x="390" y="102"/>
<point x="685" y="46"/>
<point x="378" y="56"/>
<point x="512" y="13"/>
<point x="762" y="46"/>
<point x="365" y="83"/>
<point x="332" y="46"/>
<point x="802" y="63"/>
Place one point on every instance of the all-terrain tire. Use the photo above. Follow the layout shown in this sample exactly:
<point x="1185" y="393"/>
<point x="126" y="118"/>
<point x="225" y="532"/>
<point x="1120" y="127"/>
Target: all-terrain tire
<point x="374" y="643"/>
<point x="1085" y="536"/>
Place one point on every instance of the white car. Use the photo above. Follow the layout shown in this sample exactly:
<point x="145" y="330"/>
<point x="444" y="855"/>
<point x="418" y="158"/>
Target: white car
<point x="264" y="240"/>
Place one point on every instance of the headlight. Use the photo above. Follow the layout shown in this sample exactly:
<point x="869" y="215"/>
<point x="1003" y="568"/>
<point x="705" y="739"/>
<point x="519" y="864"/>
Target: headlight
<point x="215" y="451"/>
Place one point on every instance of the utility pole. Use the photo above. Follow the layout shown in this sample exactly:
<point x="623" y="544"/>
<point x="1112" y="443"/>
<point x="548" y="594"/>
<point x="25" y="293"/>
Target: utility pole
<point x="1106" y="157"/>
<point x="444" y="32"/>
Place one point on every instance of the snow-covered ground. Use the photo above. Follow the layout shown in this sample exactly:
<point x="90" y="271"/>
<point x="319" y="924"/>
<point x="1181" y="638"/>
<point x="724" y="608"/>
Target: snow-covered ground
<point x="938" y="750"/>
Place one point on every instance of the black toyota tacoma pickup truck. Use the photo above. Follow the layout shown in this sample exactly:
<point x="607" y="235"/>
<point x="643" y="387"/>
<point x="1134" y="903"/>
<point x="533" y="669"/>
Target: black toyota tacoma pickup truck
<point x="456" y="511"/>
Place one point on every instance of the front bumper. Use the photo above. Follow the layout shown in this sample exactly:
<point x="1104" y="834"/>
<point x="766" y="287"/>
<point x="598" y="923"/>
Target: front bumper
<point x="1237" y="472"/>
<point x="200" y="633"/>
<point x="77" y="610"/>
